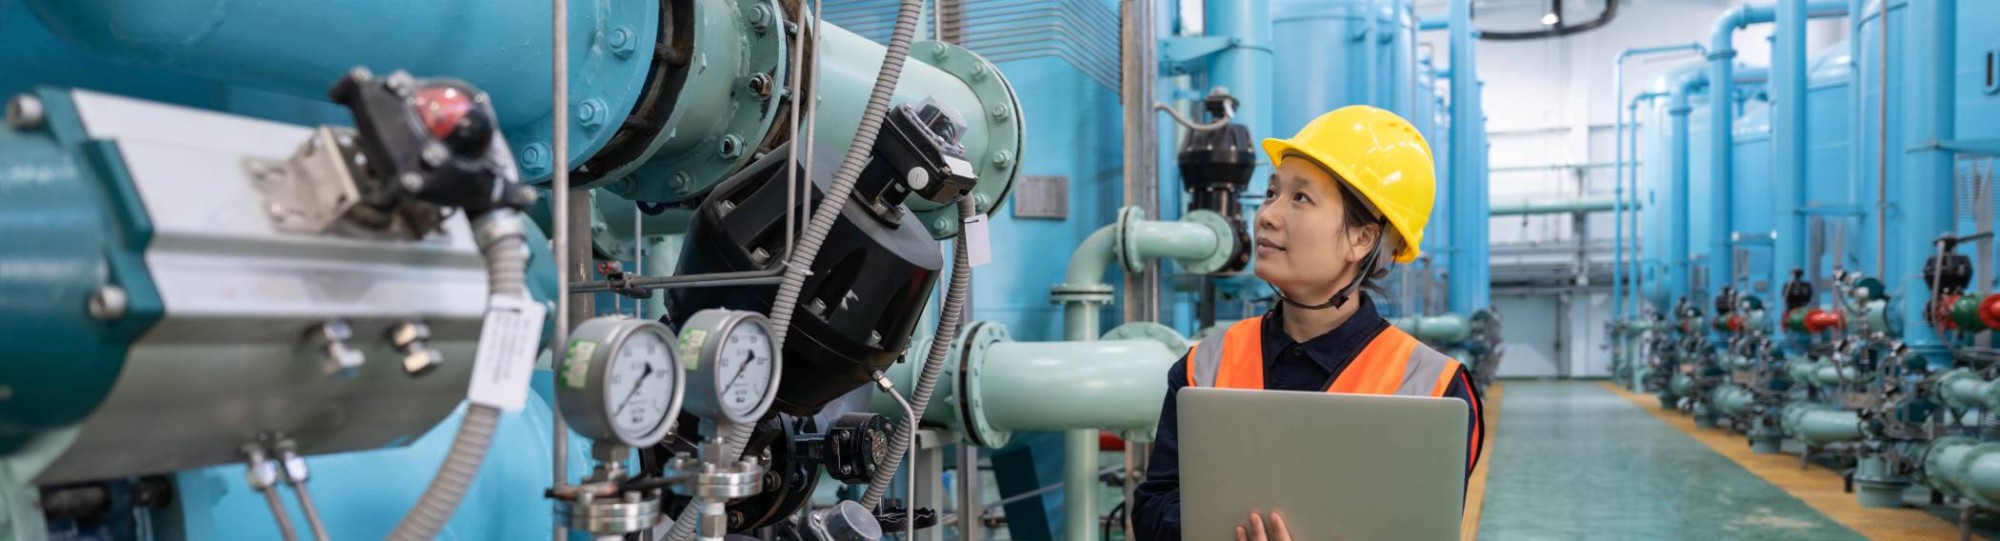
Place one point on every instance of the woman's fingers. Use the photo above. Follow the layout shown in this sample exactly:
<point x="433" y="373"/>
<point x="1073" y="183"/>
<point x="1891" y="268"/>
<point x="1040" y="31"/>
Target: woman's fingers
<point x="1240" y="536"/>
<point x="1278" y="530"/>
<point x="1257" y="527"/>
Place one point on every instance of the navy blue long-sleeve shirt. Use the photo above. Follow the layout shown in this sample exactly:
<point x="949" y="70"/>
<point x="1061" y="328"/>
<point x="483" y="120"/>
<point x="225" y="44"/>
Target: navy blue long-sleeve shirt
<point x="1288" y="366"/>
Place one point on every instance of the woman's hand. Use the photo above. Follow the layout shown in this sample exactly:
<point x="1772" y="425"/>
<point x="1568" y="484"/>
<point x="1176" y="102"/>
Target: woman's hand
<point x="1254" y="530"/>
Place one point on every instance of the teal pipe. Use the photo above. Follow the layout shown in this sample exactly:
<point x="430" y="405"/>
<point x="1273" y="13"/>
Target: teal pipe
<point x="1731" y="400"/>
<point x="1134" y="241"/>
<point x="1108" y="384"/>
<point x="1962" y="388"/>
<point x="1819" y="425"/>
<point x="1444" y="329"/>
<point x="663" y="254"/>
<point x="1963" y="467"/>
<point x="1005" y="386"/>
<point x="1528" y="208"/>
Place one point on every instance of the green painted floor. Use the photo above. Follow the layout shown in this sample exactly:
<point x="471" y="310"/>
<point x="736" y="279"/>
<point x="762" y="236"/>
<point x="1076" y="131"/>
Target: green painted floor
<point x="1571" y="460"/>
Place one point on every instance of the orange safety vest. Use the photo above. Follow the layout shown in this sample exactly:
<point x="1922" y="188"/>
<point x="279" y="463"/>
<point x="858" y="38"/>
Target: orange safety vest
<point x="1393" y="363"/>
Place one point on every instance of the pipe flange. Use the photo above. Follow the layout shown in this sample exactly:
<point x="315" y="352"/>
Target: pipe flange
<point x="717" y="482"/>
<point x="1121" y="243"/>
<point x="610" y="517"/>
<point x="681" y="162"/>
<point x="1006" y="128"/>
<point x="1225" y="246"/>
<point x="972" y="406"/>
<point x="603" y="89"/>
<point x="1147" y="330"/>
<point x="1081" y="293"/>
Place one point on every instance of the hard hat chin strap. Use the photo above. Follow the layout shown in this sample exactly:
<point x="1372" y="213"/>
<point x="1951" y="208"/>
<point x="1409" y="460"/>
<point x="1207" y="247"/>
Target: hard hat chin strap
<point x="1339" y="297"/>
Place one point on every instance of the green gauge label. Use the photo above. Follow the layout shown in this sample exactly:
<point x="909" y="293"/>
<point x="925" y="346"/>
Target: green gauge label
<point x="691" y="342"/>
<point x="576" y="365"/>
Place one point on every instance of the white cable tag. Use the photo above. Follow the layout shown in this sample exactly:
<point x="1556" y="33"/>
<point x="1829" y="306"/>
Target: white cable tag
<point x="505" y="361"/>
<point x="981" y="251"/>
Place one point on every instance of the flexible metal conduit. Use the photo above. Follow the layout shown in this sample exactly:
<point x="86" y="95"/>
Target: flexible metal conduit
<point x="502" y="240"/>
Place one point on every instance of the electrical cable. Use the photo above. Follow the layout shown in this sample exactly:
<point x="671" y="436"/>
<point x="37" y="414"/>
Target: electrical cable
<point x="1228" y="111"/>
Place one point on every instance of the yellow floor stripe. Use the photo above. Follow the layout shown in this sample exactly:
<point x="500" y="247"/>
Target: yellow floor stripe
<point x="1475" y="490"/>
<point x="1817" y="487"/>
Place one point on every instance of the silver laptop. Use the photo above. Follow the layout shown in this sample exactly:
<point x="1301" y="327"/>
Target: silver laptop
<point x="1337" y="466"/>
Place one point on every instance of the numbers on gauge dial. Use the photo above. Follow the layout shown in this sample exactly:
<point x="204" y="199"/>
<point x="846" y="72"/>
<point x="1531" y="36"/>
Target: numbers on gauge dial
<point x="744" y="361"/>
<point x="640" y="384"/>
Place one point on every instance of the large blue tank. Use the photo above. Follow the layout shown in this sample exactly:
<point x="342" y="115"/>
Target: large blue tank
<point x="1832" y="193"/>
<point x="1681" y="228"/>
<point x="1342" y="52"/>
<point x="1751" y="199"/>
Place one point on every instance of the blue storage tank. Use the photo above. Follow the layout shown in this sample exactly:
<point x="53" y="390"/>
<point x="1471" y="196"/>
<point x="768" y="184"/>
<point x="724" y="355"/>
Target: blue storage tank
<point x="1339" y="53"/>
<point x="1833" y="192"/>
<point x="1752" y="204"/>
<point x="1681" y="229"/>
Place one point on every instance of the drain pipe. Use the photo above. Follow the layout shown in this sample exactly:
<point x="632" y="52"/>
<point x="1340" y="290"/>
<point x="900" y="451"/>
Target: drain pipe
<point x="1202" y="241"/>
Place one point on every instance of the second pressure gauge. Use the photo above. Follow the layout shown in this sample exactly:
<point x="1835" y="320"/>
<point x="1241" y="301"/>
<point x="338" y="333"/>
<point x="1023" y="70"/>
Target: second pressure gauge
<point x="735" y="365"/>
<point x="620" y="382"/>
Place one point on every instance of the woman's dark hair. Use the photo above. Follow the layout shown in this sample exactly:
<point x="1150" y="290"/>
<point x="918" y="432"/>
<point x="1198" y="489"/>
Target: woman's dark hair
<point x="1358" y="216"/>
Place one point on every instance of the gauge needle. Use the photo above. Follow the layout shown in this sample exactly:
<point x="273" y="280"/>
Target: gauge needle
<point x="635" y="390"/>
<point x="748" y="356"/>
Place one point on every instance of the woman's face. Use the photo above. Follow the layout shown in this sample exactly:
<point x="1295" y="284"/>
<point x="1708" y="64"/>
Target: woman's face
<point x="1303" y="245"/>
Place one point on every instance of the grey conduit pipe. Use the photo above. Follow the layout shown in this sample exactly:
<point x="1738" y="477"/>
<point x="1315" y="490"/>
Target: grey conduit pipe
<point x="503" y="241"/>
<point x="823" y="218"/>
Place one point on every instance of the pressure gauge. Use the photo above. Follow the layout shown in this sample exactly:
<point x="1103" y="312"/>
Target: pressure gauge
<point x="735" y="365"/>
<point x="621" y="381"/>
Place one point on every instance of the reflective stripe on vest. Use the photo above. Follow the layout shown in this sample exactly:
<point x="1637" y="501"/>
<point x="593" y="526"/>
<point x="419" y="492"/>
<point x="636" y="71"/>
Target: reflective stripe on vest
<point x="1393" y="363"/>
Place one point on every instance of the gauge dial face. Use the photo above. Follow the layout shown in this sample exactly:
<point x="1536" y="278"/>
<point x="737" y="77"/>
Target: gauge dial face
<point x="745" y="369"/>
<point x="639" y="385"/>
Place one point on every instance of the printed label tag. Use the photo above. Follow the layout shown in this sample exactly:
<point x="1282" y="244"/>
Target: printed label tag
<point x="505" y="360"/>
<point x="980" y="250"/>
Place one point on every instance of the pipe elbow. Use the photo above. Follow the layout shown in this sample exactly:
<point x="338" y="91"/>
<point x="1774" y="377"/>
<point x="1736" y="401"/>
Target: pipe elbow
<point x="132" y="30"/>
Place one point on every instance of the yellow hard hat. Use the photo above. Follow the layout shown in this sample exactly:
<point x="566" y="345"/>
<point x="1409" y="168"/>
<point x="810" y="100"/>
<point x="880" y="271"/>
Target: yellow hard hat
<point x="1379" y="155"/>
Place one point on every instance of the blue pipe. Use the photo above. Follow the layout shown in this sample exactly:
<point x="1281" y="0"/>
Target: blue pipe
<point x="1788" y="86"/>
<point x="1923" y="194"/>
<point x="1722" y="143"/>
<point x="1722" y="122"/>
<point x="1678" y="108"/>
<point x="1469" y="287"/>
<point x="302" y="48"/>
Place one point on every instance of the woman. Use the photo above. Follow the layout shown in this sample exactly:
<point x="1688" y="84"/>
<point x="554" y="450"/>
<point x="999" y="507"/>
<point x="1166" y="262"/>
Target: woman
<point x="1350" y="192"/>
